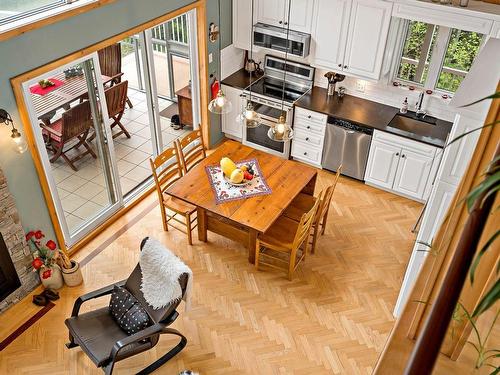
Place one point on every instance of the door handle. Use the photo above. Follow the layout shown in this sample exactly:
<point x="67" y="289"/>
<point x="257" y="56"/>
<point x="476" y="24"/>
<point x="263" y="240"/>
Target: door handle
<point x="305" y="153"/>
<point x="403" y="156"/>
<point x="308" y="127"/>
<point x="307" y="138"/>
<point x="280" y="22"/>
<point x="397" y="153"/>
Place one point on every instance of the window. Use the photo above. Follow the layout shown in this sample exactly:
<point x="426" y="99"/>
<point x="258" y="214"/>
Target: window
<point x="13" y="10"/>
<point x="443" y="68"/>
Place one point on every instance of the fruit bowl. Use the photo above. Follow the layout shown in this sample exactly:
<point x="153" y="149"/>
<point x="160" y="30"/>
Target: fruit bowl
<point x="242" y="183"/>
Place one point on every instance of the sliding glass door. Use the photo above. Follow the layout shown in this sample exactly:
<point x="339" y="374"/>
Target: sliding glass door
<point x="69" y="118"/>
<point x="98" y="121"/>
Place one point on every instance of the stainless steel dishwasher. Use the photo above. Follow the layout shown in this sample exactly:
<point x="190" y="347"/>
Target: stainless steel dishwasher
<point x="346" y="144"/>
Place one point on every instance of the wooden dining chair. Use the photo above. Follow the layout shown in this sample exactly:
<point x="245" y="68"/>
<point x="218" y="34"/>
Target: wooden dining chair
<point x="110" y="62"/>
<point x="277" y="240"/>
<point x="191" y="150"/>
<point x="74" y="124"/>
<point x="116" y="98"/>
<point x="166" y="170"/>
<point x="303" y="203"/>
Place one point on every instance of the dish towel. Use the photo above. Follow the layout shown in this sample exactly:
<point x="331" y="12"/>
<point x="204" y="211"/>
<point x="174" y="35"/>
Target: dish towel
<point x="161" y="270"/>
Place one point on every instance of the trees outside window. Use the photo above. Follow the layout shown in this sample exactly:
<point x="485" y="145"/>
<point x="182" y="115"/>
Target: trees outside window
<point x="443" y="68"/>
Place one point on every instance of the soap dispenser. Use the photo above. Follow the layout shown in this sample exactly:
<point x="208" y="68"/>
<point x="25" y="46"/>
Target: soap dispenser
<point x="404" y="106"/>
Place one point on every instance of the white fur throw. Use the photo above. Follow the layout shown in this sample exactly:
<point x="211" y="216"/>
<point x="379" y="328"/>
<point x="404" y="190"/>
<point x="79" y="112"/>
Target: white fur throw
<point x="161" y="270"/>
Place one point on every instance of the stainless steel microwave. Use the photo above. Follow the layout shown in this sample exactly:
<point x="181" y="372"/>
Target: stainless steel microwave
<point x="275" y="38"/>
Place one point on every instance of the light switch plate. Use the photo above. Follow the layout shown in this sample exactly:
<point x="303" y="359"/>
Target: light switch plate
<point x="210" y="58"/>
<point x="360" y="85"/>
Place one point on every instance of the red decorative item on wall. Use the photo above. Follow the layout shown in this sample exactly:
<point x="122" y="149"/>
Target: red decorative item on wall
<point x="214" y="88"/>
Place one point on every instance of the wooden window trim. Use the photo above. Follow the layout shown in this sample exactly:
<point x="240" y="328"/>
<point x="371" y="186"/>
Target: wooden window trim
<point x="74" y="10"/>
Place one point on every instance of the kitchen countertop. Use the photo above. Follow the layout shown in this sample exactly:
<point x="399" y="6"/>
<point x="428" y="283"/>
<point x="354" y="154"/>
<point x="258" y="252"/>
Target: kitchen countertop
<point x="371" y="114"/>
<point x="240" y="79"/>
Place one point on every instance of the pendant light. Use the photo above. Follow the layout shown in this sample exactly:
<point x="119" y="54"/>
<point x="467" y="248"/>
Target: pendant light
<point x="219" y="105"/>
<point x="282" y="131"/>
<point x="249" y="116"/>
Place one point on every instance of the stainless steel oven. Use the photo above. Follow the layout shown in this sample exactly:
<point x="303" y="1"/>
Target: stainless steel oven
<point x="269" y="112"/>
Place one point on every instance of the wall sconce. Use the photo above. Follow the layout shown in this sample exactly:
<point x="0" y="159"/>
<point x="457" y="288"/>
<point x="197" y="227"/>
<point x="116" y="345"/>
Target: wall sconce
<point x="19" y="143"/>
<point x="213" y="32"/>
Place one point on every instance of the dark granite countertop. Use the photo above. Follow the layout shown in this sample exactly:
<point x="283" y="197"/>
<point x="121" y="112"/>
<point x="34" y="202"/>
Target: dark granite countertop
<point x="371" y="114"/>
<point x="240" y="79"/>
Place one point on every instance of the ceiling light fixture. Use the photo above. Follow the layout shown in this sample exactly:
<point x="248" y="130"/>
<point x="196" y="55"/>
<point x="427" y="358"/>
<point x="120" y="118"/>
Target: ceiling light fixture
<point x="249" y="116"/>
<point x="219" y="105"/>
<point x="19" y="143"/>
<point x="282" y="131"/>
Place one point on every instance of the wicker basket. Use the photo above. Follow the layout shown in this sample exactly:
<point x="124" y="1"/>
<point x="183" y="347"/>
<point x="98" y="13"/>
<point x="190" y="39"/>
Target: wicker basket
<point x="72" y="276"/>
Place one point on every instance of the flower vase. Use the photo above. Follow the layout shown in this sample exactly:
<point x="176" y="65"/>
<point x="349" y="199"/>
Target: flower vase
<point x="51" y="277"/>
<point x="73" y="275"/>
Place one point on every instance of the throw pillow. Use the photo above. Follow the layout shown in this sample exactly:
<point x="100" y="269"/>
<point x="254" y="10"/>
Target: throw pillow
<point x="127" y="311"/>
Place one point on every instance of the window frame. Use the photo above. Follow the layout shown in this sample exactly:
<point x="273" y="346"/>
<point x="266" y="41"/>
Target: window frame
<point x="32" y="12"/>
<point x="436" y="61"/>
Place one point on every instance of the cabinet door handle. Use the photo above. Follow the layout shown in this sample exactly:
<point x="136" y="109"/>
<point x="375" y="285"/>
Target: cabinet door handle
<point x="286" y="23"/>
<point x="305" y="153"/>
<point x="308" y="127"/>
<point x="403" y="156"/>
<point x="309" y="116"/>
<point x="280" y="22"/>
<point x="340" y="65"/>
<point x="307" y="138"/>
<point x="345" y="67"/>
<point x="397" y="153"/>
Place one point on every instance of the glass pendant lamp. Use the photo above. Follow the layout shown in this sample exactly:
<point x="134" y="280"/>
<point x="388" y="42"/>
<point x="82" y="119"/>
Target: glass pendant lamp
<point x="219" y="105"/>
<point x="249" y="116"/>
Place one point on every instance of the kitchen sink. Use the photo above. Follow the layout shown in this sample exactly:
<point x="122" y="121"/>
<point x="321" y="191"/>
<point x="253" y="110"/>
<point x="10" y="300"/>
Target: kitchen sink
<point x="410" y="122"/>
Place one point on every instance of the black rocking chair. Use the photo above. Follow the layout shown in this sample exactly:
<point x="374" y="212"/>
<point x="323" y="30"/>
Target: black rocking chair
<point x="100" y="337"/>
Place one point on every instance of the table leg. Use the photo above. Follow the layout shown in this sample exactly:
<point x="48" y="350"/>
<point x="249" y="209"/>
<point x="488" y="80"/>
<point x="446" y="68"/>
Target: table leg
<point x="311" y="185"/>
<point x="252" y="242"/>
<point x="202" y="224"/>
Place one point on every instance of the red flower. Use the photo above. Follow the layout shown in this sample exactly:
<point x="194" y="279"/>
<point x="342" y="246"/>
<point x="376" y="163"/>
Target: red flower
<point x="37" y="263"/>
<point x="38" y="234"/>
<point x="46" y="274"/>
<point x="29" y="235"/>
<point x="51" y="245"/>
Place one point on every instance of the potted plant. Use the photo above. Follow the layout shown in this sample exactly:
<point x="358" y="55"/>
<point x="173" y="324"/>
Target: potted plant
<point x="52" y="264"/>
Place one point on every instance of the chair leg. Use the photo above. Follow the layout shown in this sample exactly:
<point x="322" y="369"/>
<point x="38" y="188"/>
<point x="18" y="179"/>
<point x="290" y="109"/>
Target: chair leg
<point x="69" y="161"/>
<point x="291" y="266"/>
<point x="57" y="153"/>
<point x="164" y="217"/>
<point x="129" y="103"/>
<point x="168" y="356"/>
<point x="314" y="235"/>
<point x="188" y="229"/>
<point x="257" y="254"/>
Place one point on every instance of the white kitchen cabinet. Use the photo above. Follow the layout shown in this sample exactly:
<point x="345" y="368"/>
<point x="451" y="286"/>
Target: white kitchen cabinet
<point x="382" y="164"/>
<point x="350" y="36"/>
<point x="242" y="24"/>
<point x="309" y="138"/>
<point x="275" y="13"/>
<point x="368" y="28"/>
<point x="412" y="174"/>
<point x="230" y="126"/>
<point x="330" y="33"/>
<point x="400" y="165"/>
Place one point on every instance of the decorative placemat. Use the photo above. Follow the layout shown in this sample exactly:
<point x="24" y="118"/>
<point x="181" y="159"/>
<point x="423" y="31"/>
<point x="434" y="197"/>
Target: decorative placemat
<point x="39" y="90"/>
<point x="225" y="192"/>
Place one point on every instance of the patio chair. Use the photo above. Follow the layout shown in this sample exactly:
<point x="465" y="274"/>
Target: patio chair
<point x="105" y="343"/>
<point x="116" y="97"/>
<point x="74" y="125"/>
<point x="110" y="62"/>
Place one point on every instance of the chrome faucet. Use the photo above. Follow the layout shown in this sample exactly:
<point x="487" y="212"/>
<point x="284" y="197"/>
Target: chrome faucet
<point x="418" y="107"/>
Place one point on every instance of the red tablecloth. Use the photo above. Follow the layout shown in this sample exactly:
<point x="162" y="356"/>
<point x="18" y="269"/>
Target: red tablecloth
<point x="39" y="90"/>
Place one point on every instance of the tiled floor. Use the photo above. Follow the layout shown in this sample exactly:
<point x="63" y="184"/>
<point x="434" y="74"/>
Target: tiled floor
<point x="84" y="193"/>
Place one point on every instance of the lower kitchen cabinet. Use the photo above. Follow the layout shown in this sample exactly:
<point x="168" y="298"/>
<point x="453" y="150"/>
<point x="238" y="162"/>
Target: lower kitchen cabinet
<point x="230" y="126"/>
<point x="400" y="165"/>
<point x="309" y="128"/>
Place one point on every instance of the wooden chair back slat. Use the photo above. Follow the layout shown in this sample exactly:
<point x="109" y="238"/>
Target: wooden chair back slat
<point x="305" y="224"/>
<point x="166" y="174"/>
<point x="116" y="98"/>
<point x="76" y="120"/>
<point x="191" y="150"/>
<point x="327" y="199"/>
<point x="110" y="60"/>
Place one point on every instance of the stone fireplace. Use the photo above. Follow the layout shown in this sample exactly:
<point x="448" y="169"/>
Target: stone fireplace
<point x="16" y="276"/>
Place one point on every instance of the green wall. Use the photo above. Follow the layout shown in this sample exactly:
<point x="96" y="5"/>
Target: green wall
<point x="36" y="48"/>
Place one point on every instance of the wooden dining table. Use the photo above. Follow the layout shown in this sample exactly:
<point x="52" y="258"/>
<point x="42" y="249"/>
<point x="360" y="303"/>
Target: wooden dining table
<point x="73" y="88"/>
<point x="242" y="220"/>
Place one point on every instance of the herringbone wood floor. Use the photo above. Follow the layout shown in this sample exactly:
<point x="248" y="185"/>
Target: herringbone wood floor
<point x="334" y="317"/>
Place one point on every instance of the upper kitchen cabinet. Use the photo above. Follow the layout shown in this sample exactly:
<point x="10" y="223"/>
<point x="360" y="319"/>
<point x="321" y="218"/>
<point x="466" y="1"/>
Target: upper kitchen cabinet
<point x="351" y="36"/>
<point x="242" y="24"/>
<point x="275" y="13"/>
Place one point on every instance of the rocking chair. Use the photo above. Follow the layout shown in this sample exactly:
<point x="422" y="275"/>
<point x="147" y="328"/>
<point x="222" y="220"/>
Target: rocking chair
<point x="100" y="337"/>
<point x="75" y="123"/>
